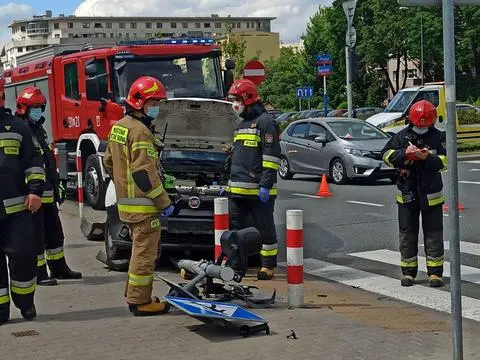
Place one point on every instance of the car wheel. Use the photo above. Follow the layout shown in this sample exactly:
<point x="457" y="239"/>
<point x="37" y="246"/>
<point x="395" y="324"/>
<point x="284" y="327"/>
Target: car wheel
<point x="94" y="185"/>
<point x="338" y="171"/>
<point x="284" y="169"/>
<point x="113" y="253"/>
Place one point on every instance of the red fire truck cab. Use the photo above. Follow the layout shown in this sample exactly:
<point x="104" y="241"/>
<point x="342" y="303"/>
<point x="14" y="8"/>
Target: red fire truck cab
<point x="85" y="90"/>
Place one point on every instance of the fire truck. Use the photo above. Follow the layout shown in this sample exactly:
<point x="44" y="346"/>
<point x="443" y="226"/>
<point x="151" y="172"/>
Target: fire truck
<point x="86" y="88"/>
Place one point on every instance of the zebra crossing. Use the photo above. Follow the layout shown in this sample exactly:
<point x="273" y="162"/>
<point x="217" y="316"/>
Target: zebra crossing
<point x="437" y="299"/>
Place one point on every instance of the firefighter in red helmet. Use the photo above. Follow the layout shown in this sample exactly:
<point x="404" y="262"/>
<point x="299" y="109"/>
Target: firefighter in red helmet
<point x="31" y="105"/>
<point x="253" y="171"/>
<point x="419" y="156"/>
<point x="132" y="161"/>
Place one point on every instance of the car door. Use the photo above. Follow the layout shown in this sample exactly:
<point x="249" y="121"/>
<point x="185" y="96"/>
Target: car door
<point x="70" y="110"/>
<point x="295" y="147"/>
<point x="318" y="155"/>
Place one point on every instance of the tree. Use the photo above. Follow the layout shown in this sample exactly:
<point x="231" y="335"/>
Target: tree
<point x="234" y="48"/>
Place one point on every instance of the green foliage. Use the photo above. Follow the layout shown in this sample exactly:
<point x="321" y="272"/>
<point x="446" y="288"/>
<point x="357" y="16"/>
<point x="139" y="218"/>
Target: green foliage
<point x="468" y="147"/>
<point x="468" y="117"/>
<point x="234" y="48"/>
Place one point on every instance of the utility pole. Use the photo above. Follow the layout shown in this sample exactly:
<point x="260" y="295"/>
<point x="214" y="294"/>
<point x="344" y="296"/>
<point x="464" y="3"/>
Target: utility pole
<point x="421" y="47"/>
<point x="350" y="40"/>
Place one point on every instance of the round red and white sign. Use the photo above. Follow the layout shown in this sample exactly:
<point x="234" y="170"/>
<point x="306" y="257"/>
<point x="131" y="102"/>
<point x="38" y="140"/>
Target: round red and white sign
<point x="255" y="71"/>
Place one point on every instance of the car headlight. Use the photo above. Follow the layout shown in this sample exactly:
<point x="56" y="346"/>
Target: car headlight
<point x="360" y="153"/>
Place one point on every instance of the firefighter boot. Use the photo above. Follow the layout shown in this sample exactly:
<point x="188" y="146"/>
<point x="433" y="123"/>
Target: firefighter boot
<point x="155" y="307"/>
<point x="60" y="270"/>
<point x="29" y="314"/>
<point x="43" y="279"/>
<point x="435" y="281"/>
<point x="265" y="274"/>
<point x="407" y="280"/>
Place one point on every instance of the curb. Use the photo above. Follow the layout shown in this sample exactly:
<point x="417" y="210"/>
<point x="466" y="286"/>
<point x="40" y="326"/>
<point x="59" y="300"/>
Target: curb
<point x="472" y="156"/>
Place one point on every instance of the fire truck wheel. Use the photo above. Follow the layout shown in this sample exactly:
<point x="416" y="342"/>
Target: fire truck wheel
<point x="94" y="184"/>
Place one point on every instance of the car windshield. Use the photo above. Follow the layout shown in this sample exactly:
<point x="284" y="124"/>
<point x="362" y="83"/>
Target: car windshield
<point x="174" y="159"/>
<point x="192" y="76"/>
<point x="401" y="101"/>
<point x="353" y="130"/>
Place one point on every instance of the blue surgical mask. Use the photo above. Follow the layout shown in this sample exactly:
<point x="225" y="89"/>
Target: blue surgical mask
<point x="420" y="131"/>
<point x="35" y="114"/>
<point x="153" y="111"/>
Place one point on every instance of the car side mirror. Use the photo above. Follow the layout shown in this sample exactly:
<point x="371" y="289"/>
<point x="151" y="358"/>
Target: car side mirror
<point x="321" y="139"/>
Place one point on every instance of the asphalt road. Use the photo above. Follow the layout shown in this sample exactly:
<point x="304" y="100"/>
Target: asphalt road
<point x="361" y="219"/>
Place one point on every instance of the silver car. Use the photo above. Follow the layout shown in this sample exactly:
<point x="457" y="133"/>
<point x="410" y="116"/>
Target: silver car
<point x="340" y="148"/>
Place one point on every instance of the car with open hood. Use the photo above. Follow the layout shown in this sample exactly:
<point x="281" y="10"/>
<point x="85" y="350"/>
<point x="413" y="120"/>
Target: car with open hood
<point x="195" y="133"/>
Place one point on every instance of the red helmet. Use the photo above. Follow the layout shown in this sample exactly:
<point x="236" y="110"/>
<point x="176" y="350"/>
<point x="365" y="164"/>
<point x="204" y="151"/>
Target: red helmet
<point x="30" y="97"/>
<point x="246" y="90"/>
<point x="423" y="114"/>
<point x="143" y="89"/>
<point x="2" y="91"/>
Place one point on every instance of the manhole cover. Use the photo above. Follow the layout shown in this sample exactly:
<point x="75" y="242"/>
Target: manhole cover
<point x="25" y="333"/>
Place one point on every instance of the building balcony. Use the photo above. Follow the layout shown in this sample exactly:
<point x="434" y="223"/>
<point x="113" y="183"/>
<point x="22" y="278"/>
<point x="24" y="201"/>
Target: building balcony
<point x="37" y="31"/>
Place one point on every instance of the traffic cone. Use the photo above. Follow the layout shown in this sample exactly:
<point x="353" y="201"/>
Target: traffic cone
<point x="460" y="207"/>
<point x="323" y="190"/>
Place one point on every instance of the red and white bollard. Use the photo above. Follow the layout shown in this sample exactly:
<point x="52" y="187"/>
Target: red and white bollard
<point x="295" y="258"/>
<point x="221" y="222"/>
<point x="80" y="183"/>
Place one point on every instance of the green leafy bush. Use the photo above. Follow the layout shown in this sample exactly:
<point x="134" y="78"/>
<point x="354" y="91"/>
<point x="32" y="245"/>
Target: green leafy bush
<point x="468" y="117"/>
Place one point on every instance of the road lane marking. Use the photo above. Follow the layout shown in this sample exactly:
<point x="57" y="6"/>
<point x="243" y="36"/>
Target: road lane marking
<point x="465" y="247"/>
<point x="469" y="274"/>
<point x="474" y="170"/>
<point x="469" y="182"/>
<point x="420" y="295"/>
<point x="472" y="162"/>
<point x="364" y="203"/>
<point x="309" y="196"/>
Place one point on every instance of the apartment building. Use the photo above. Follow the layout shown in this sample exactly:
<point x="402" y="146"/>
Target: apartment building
<point x="44" y="30"/>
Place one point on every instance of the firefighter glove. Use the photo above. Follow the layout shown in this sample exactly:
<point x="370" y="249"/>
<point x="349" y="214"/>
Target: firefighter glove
<point x="168" y="211"/>
<point x="264" y="195"/>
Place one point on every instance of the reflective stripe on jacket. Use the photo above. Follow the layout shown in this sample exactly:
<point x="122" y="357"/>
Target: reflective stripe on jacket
<point x="132" y="160"/>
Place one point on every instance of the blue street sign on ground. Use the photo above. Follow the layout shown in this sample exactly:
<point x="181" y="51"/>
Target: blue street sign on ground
<point x="211" y="309"/>
<point x="323" y="58"/>
<point x="324" y="69"/>
<point x="305" y="92"/>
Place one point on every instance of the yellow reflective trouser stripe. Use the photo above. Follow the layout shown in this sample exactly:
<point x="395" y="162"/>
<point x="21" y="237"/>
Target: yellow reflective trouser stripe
<point x="250" y="137"/>
<point x="138" y="209"/>
<point x="47" y="197"/>
<point x="240" y="191"/>
<point x="413" y="263"/>
<point x="41" y="260"/>
<point x="155" y="192"/>
<point x="435" y="262"/>
<point x="270" y="165"/>
<point x="9" y="142"/>
<point x="23" y="287"/>
<point x="435" y="199"/>
<point x="269" y="252"/>
<point x="54" y="254"/>
<point x="386" y="157"/>
<point x="4" y="298"/>
<point x="444" y="162"/>
<point x="140" y="280"/>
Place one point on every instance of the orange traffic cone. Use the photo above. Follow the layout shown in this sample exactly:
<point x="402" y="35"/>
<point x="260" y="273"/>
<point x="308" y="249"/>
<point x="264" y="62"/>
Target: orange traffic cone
<point x="323" y="190"/>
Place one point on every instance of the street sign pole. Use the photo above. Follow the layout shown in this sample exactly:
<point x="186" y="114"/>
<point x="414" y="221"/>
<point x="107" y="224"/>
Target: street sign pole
<point x="453" y="220"/>
<point x="349" y="9"/>
<point x="325" y="97"/>
<point x="349" y="84"/>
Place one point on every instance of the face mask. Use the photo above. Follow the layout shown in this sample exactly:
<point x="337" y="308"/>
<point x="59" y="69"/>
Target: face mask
<point x="238" y="107"/>
<point x="35" y="114"/>
<point x="420" y="131"/>
<point x="153" y="111"/>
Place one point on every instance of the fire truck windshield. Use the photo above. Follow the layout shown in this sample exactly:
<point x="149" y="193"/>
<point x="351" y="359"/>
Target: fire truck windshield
<point x="196" y="76"/>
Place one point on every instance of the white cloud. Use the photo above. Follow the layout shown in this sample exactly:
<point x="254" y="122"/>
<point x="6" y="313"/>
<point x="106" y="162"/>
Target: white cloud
<point x="292" y="15"/>
<point x="8" y="13"/>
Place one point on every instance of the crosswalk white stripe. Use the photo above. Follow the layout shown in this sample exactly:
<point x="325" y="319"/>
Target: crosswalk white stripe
<point x="364" y="203"/>
<point x="470" y="274"/>
<point x="465" y="247"/>
<point x="419" y="295"/>
<point x="469" y="182"/>
<point x="472" y="162"/>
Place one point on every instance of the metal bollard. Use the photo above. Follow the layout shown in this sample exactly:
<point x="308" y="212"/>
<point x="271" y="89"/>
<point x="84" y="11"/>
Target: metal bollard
<point x="295" y="258"/>
<point x="79" y="183"/>
<point x="221" y="223"/>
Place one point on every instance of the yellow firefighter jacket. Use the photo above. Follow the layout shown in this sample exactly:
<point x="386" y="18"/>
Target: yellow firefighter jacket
<point x="131" y="159"/>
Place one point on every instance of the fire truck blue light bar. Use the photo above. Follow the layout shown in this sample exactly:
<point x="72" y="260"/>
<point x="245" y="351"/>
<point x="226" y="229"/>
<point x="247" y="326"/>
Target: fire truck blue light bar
<point x="180" y="41"/>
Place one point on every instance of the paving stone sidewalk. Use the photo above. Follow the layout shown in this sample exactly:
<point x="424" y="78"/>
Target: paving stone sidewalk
<point x="88" y="319"/>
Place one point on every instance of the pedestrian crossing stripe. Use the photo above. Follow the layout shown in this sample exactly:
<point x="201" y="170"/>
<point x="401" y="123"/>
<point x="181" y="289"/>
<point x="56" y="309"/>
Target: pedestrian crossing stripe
<point x="469" y="274"/>
<point x="465" y="247"/>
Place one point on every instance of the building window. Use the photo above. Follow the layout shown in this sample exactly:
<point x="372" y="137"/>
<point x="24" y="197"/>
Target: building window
<point x="206" y="25"/>
<point x="22" y="28"/>
<point x="86" y="25"/>
<point x="127" y="35"/>
<point x="148" y="35"/>
<point x="133" y="25"/>
<point x="98" y="25"/>
<point x="148" y="25"/>
<point x="56" y="26"/>
<point x="109" y="25"/>
<point x="173" y="25"/>
<point x="134" y="35"/>
<point x="207" y="34"/>
<point x="57" y="36"/>
<point x="71" y="81"/>
<point x="248" y="25"/>
<point x="70" y="25"/>
<point x="218" y="25"/>
<point x="111" y="35"/>
<point x="121" y="25"/>
<point x="198" y="25"/>
<point x="239" y="25"/>
<point x="159" y="25"/>
<point x="185" y="25"/>
<point x="411" y="74"/>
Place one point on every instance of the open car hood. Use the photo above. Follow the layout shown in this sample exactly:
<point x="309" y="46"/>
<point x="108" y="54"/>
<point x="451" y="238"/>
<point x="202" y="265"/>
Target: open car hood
<point x="196" y="124"/>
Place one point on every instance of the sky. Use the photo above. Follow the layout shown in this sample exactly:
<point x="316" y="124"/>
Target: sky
<point x="292" y="15"/>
